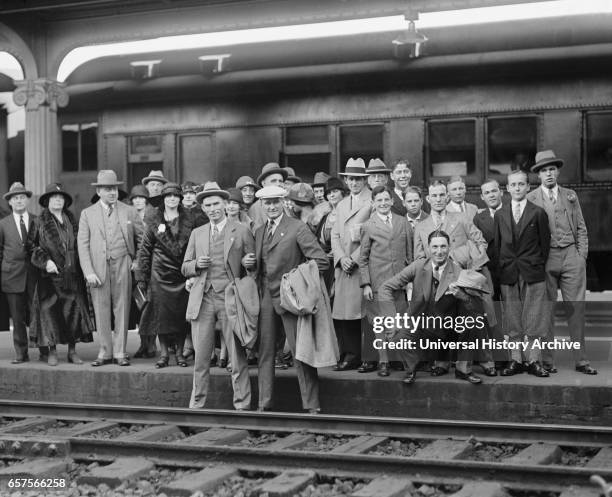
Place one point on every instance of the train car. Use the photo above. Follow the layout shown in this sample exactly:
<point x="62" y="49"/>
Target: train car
<point x="477" y="104"/>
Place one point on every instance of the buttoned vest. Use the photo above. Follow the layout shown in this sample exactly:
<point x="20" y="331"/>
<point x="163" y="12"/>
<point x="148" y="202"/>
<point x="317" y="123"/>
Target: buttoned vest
<point x="217" y="276"/>
<point x="115" y="243"/>
<point x="560" y="229"/>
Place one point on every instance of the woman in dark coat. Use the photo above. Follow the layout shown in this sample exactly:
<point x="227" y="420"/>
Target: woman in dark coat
<point x="60" y="308"/>
<point x="160" y="257"/>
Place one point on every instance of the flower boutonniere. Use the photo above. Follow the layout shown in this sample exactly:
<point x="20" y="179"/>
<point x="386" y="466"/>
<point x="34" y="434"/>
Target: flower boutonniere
<point x="161" y="228"/>
<point x="571" y="197"/>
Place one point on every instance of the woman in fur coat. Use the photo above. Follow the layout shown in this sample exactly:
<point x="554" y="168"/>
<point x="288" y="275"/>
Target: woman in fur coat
<point x="160" y="257"/>
<point x="60" y="307"/>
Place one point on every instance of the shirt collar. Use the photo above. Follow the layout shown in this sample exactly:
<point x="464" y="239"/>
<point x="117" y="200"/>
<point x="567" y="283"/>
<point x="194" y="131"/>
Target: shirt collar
<point x="440" y="268"/>
<point x="493" y="211"/>
<point x="221" y="225"/>
<point x="555" y="190"/>
<point x="275" y="221"/>
<point x="522" y="203"/>
<point x="385" y="217"/>
<point x="26" y="217"/>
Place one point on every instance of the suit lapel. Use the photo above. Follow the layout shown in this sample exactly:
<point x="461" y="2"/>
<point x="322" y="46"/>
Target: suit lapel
<point x="567" y="208"/>
<point x="228" y="239"/>
<point x="448" y="276"/>
<point x="99" y="214"/>
<point x="427" y="280"/>
<point x="525" y="218"/>
<point x="279" y="232"/>
<point x="206" y="240"/>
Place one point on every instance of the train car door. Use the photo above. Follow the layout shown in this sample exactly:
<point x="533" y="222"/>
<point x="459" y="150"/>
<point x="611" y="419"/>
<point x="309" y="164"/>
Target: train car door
<point x="196" y="157"/>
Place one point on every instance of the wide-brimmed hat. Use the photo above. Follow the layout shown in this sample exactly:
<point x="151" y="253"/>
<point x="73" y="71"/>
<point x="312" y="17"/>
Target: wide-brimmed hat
<point x="301" y="193"/>
<point x="189" y="187"/>
<point x="376" y="166"/>
<point x="291" y="175"/>
<point x="107" y="177"/>
<point x="320" y="178"/>
<point x="472" y="280"/>
<point x="139" y="191"/>
<point x="545" y="158"/>
<point x="17" y="188"/>
<point x="355" y="167"/>
<point x="246" y="181"/>
<point x="211" y="188"/>
<point x="154" y="176"/>
<point x="55" y="189"/>
<point x="272" y="168"/>
<point x="271" y="191"/>
<point x="334" y="183"/>
<point x="235" y="195"/>
<point x="171" y="189"/>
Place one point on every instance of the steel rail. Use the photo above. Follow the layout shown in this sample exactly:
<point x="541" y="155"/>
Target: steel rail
<point x="323" y="423"/>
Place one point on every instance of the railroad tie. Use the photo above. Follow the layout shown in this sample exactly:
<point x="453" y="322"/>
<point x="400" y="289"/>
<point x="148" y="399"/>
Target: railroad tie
<point x="540" y="453"/>
<point x="293" y="441"/>
<point x="203" y="481"/>
<point x="216" y="436"/>
<point x="359" y="445"/>
<point x="35" y="468"/>
<point x="603" y="459"/>
<point x="28" y="424"/>
<point x="481" y="489"/>
<point x="152" y="434"/>
<point x="444" y="450"/>
<point x="287" y="484"/>
<point x="575" y="491"/>
<point x="123" y="469"/>
<point x="386" y="487"/>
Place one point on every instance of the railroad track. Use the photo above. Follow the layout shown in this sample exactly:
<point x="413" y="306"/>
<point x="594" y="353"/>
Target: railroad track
<point x="439" y="454"/>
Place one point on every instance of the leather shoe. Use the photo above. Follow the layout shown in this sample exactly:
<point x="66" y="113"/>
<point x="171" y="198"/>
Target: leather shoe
<point x="550" y="368"/>
<point x="140" y="353"/>
<point x="52" y="360"/>
<point x="489" y="371"/>
<point x="122" y="362"/>
<point x="366" y="367"/>
<point x="513" y="368"/>
<point x="410" y="378"/>
<point x="314" y="410"/>
<point x="438" y="371"/>
<point x="74" y="358"/>
<point x="20" y="360"/>
<point x="472" y="378"/>
<point x="384" y="369"/>
<point x="345" y="366"/>
<point x="101" y="362"/>
<point x="586" y="369"/>
<point x="536" y="369"/>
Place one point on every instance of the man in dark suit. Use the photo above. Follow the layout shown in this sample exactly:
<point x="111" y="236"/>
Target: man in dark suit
<point x="569" y="249"/>
<point x="18" y="276"/>
<point x="522" y="243"/>
<point x="400" y="174"/>
<point x="281" y="244"/>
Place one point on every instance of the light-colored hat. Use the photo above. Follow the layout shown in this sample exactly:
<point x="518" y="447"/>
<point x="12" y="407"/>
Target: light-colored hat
<point x="302" y="193"/>
<point x="472" y="280"/>
<point x="17" y="188"/>
<point x="211" y="188"/>
<point x="246" y="181"/>
<point x="376" y="166"/>
<point x="107" y="177"/>
<point x="271" y="191"/>
<point x="291" y="175"/>
<point x="545" y="158"/>
<point x="272" y="168"/>
<point x="154" y="176"/>
<point x="320" y="178"/>
<point x="55" y="189"/>
<point x="355" y="167"/>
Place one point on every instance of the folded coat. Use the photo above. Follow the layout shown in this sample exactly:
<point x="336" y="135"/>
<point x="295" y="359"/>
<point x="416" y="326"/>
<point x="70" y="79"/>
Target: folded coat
<point x="242" y="308"/>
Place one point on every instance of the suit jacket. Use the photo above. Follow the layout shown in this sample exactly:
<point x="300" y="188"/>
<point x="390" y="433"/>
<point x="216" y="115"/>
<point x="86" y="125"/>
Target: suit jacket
<point x="291" y="244"/>
<point x="467" y="245"/>
<point x="398" y="206"/>
<point x="15" y="255"/>
<point x="526" y="253"/>
<point x="470" y="209"/>
<point x="92" y="236"/>
<point x="384" y="251"/>
<point x="484" y="222"/>
<point x="237" y="242"/>
<point x="572" y="211"/>
<point x="420" y="273"/>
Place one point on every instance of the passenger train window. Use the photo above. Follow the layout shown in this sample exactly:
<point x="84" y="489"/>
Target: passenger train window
<point x="80" y="147"/>
<point x="598" y="166"/>
<point x="365" y="141"/>
<point x="307" y="150"/>
<point x="511" y="143"/>
<point x="452" y="148"/>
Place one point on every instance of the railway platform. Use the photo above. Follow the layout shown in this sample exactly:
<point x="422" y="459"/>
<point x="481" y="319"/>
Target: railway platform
<point x="565" y="397"/>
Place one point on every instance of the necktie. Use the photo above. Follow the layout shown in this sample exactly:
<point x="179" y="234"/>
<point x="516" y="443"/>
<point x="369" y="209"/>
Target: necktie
<point x="436" y="273"/>
<point x="23" y="229"/>
<point x="388" y="221"/>
<point x="462" y="207"/>
<point x="517" y="213"/>
<point x="110" y="210"/>
<point x="551" y="196"/>
<point x="270" y="229"/>
<point x="215" y="232"/>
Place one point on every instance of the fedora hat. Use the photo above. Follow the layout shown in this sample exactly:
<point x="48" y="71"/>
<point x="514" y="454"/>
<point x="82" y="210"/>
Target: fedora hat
<point x="334" y="183"/>
<point x="271" y="168"/>
<point x="545" y="158"/>
<point x="301" y="193"/>
<point x="291" y="175"/>
<point x="376" y="166"/>
<point x="154" y="176"/>
<point x="355" y="167"/>
<point x="139" y="191"/>
<point x="246" y="181"/>
<point x="171" y="189"/>
<point x="320" y="178"/>
<point x="55" y="189"/>
<point x="17" y="188"/>
<point x="107" y="177"/>
<point x="211" y="188"/>
<point x="235" y="195"/>
<point x="472" y="280"/>
<point x="271" y="191"/>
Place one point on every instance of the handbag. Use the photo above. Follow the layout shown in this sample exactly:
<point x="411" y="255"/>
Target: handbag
<point x="140" y="299"/>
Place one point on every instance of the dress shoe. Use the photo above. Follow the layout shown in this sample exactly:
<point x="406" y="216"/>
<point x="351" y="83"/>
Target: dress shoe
<point x="123" y="362"/>
<point x="410" y="378"/>
<point x="489" y="371"/>
<point x="550" y="368"/>
<point x="52" y="361"/>
<point x="384" y="369"/>
<point x="74" y="358"/>
<point x="314" y="410"/>
<point x="44" y="357"/>
<point x="20" y="360"/>
<point x="101" y="362"/>
<point x="513" y="368"/>
<point x="536" y="369"/>
<point x="366" y="367"/>
<point x="345" y="366"/>
<point x="188" y="353"/>
<point x="149" y="354"/>
<point x="438" y="371"/>
<point x="472" y="378"/>
<point x="140" y="353"/>
<point x="223" y="363"/>
<point x="586" y="369"/>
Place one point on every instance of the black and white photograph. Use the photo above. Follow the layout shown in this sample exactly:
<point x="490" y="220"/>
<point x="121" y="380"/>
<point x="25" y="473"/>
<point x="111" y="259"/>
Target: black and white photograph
<point x="288" y="248"/>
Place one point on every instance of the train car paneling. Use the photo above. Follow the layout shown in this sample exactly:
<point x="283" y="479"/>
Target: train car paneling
<point x="562" y="133"/>
<point x="406" y="141"/>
